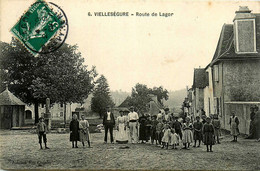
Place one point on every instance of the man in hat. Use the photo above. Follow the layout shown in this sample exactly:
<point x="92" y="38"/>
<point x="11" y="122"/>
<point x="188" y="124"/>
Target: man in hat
<point x="109" y="123"/>
<point x="41" y="131"/>
<point x="133" y="121"/>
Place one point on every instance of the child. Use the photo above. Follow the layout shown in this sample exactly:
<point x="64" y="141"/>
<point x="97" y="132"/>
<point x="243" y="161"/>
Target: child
<point x="178" y="127"/>
<point x="208" y="131"/>
<point x="197" y="131"/>
<point x="154" y="123"/>
<point x="187" y="134"/>
<point x="174" y="139"/>
<point x="216" y="124"/>
<point x="159" y="133"/>
<point x="41" y="131"/>
<point x="166" y="135"/>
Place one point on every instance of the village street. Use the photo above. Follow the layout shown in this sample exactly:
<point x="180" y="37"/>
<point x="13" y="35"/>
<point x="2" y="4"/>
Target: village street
<point x="20" y="150"/>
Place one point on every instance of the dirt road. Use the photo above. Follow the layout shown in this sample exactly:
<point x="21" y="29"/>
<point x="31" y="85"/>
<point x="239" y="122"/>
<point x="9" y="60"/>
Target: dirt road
<point x="20" y="150"/>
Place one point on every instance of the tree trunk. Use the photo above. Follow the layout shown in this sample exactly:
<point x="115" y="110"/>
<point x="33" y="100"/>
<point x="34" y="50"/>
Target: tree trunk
<point x="64" y="115"/>
<point x="36" y="111"/>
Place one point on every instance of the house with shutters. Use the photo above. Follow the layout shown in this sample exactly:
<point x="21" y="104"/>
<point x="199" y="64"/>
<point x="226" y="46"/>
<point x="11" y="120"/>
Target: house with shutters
<point x="234" y="72"/>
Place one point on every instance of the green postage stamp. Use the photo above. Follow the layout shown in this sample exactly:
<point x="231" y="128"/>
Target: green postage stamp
<point x="42" y="29"/>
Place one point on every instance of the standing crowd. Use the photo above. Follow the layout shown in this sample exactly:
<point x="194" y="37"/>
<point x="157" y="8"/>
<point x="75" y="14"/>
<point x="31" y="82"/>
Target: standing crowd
<point x="163" y="129"/>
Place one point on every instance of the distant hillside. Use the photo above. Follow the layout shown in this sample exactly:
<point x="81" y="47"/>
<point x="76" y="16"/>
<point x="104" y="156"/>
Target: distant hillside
<point x="119" y="96"/>
<point x="176" y="98"/>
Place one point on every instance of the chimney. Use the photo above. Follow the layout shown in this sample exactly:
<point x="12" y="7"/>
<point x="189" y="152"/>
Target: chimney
<point x="244" y="31"/>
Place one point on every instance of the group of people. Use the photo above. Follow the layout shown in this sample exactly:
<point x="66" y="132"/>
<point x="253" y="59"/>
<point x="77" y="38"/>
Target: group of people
<point x="162" y="129"/>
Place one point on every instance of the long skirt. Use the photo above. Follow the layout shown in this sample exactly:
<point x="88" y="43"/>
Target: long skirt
<point x="142" y="133"/>
<point x="174" y="139"/>
<point x="209" y="138"/>
<point x="197" y="135"/>
<point x="84" y="135"/>
<point x="74" y="136"/>
<point x="234" y="129"/>
<point x="148" y="132"/>
<point x="187" y="136"/>
<point x="122" y="135"/>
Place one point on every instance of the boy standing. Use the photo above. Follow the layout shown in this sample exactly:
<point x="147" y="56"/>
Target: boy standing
<point x="41" y="131"/>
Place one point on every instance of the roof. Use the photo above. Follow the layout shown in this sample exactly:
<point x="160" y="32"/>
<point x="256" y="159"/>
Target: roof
<point x="154" y="99"/>
<point x="125" y="103"/>
<point x="226" y="49"/>
<point x="7" y="98"/>
<point x="199" y="78"/>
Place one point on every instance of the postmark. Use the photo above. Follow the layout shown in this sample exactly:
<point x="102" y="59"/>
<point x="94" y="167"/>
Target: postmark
<point x="43" y="28"/>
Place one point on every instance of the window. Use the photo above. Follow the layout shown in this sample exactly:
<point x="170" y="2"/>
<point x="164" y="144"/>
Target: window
<point x="245" y="36"/>
<point x="61" y="114"/>
<point x="28" y="114"/>
<point x="217" y="105"/>
<point x="61" y="105"/>
<point x="215" y="67"/>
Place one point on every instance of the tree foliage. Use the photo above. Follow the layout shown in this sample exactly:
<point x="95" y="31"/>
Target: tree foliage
<point x="140" y="96"/>
<point x="60" y="75"/>
<point x="101" y="96"/>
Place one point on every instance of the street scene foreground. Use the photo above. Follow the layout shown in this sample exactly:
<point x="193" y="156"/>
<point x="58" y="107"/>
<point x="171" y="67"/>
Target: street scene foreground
<point x="20" y="150"/>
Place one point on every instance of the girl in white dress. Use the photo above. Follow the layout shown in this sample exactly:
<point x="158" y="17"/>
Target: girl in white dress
<point x="174" y="139"/>
<point x="121" y="136"/>
<point x="166" y="136"/>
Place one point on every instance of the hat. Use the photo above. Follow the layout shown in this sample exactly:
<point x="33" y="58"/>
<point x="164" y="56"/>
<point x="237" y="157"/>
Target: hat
<point x="166" y="109"/>
<point x="41" y="118"/>
<point x="121" y="111"/>
<point x="132" y="107"/>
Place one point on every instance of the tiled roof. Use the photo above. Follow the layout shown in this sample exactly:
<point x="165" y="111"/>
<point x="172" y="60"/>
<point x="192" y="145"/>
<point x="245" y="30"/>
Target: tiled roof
<point x="225" y="49"/>
<point x="7" y="98"/>
<point x="125" y="103"/>
<point x="199" y="78"/>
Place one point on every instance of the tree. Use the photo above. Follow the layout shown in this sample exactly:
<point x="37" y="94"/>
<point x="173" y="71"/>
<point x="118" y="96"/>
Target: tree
<point x="161" y="93"/>
<point x="140" y="96"/>
<point x="101" y="96"/>
<point x="60" y="75"/>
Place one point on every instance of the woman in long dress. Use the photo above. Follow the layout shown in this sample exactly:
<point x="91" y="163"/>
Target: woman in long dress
<point x="74" y="131"/>
<point x="142" y="129"/>
<point x="84" y="131"/>
<point x="234" y="122"/>
<point x="121" y="136"/>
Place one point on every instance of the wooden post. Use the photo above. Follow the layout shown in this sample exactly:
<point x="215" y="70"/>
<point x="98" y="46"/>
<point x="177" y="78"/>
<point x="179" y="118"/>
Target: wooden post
<point x="64" y="115"/>
<point x="48" y="113"/>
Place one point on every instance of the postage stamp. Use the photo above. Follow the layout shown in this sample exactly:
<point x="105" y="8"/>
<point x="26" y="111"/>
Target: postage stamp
<point x="43" y="28"/>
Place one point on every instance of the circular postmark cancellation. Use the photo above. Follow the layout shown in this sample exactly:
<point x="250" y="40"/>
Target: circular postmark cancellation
<point x="43" y="28"/>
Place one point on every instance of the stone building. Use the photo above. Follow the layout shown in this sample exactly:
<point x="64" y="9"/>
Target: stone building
<point x="234" y="72"/>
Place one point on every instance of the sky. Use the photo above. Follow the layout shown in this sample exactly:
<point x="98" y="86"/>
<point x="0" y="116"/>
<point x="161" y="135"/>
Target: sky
<point x="156" y="51"/>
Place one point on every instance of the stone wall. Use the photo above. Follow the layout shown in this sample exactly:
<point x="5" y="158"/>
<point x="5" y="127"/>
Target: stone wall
<point x="242" y="80"/>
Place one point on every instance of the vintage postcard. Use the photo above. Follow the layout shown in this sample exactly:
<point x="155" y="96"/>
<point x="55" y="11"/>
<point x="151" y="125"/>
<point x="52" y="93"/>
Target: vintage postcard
<point x="129" y="85"/>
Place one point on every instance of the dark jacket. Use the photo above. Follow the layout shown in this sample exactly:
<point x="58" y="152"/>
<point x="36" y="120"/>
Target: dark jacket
<point x="109" y="122"/>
